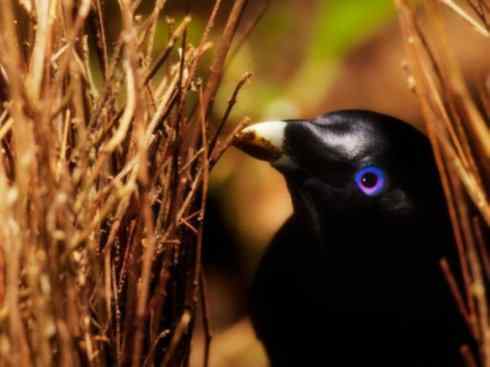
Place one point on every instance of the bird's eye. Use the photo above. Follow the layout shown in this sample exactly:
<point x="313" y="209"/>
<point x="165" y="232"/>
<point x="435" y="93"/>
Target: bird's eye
<point x="370" y="180"/>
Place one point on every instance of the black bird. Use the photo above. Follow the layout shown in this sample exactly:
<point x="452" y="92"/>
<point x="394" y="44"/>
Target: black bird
<point x="353" y="277"/>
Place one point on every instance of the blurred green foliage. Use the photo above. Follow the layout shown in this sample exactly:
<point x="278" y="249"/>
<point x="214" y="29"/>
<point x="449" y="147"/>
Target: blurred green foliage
<point x="342" y="24"/>
<point x="295" y="51"/>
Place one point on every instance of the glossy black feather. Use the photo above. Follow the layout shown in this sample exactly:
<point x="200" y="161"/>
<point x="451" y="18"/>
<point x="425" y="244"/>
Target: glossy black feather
<point x="352" y="280"/>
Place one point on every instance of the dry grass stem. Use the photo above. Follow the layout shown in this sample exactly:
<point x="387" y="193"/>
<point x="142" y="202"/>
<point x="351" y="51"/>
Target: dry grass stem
<point x="479" y="7"/>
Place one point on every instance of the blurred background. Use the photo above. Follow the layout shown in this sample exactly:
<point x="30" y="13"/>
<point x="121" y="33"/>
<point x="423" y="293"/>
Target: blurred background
<point x="307" y="57"/>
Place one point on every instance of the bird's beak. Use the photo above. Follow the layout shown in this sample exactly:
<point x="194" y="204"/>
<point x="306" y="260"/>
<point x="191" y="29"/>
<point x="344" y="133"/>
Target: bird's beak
<point x="263" y="140"/>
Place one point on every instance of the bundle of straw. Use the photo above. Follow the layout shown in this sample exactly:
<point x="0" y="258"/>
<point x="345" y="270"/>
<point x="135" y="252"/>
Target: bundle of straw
<point x="102" y="184"/>
<point x="457" y="124"/>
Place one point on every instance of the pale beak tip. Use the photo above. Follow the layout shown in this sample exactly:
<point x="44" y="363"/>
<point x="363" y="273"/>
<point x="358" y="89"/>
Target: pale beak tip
<point x="263" y="140"/>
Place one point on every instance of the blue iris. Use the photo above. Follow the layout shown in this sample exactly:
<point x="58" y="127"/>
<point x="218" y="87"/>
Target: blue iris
<point x="370" y="180"/>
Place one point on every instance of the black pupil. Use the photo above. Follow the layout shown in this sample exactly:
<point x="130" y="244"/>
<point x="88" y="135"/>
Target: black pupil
<point x="369" y="180"/>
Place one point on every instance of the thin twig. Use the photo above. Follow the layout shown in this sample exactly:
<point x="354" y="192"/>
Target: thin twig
<point x="229" y="108"/>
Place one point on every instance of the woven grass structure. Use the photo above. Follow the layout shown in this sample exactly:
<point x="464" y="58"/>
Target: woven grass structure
<point x="457" y="122"/>
<point x="105" y="153"/>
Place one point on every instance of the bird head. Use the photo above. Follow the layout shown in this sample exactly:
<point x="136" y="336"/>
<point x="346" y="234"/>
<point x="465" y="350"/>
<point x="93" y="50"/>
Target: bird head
<point x="356" y="164"/>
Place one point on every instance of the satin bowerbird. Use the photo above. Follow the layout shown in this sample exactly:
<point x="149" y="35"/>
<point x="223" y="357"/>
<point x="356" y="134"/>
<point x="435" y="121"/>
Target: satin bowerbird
<point x="353" y="277"/>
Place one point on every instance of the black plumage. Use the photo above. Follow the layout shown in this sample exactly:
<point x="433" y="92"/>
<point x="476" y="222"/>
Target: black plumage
<point x="353" y="277"/>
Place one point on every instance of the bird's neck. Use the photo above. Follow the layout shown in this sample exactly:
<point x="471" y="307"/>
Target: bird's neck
<point x="322" y="225"/>
<point x="306" y="215"/>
